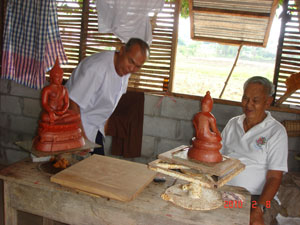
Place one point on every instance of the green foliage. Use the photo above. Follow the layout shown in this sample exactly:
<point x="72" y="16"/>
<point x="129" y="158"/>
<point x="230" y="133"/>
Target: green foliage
<point x="184" y="9"/>
<point x="281" y="2"/>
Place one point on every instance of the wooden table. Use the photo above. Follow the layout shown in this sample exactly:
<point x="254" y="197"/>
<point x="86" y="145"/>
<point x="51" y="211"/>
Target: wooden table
<point x="28" y="189"/>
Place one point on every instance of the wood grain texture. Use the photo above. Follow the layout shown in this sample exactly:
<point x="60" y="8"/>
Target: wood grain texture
<point x="105" y="176"/>
<point x="30" y="190"/>
<point x="179" y="156"/>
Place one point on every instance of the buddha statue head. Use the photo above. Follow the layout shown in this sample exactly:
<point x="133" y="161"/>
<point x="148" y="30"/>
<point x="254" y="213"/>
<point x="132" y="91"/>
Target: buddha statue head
<point x="56" y="73"/>
<point x="207" y="103"/>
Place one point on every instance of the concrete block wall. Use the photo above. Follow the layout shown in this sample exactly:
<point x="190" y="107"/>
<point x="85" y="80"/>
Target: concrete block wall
<point x="19" y="109"/>
<point x="167" y="123"/>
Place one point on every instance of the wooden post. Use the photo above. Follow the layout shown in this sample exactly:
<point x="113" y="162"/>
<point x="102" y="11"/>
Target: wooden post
<point x="284" y="19"/>
<point x="234" y="64"/>
<point x="174" y="45"/>
<point x="84" y="28"/>
<point x="271" y="17"/>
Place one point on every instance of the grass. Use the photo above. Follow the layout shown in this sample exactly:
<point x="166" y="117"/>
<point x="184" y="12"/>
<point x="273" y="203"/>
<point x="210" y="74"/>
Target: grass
<point x="195" y="75"/>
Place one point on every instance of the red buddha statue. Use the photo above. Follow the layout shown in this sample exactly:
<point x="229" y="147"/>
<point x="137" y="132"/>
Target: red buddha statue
<point x="58" y="127"/>
<point x="207" y="143"/>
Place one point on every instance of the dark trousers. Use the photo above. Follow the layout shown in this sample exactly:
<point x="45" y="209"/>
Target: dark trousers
<point x="99" y="140"/>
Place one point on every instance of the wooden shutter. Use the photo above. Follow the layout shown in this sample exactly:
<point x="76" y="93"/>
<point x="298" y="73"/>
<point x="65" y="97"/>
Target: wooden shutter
<point x="69" y="21"/>
<point x="157" y="73"/>
<point x="288" y="53"/>
<point x="245" y="22"/>
<point x="78" y="23"/>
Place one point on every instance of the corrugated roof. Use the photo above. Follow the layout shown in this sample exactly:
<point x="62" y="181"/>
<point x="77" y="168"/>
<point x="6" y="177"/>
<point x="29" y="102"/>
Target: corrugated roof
<point x="246" y="22"/>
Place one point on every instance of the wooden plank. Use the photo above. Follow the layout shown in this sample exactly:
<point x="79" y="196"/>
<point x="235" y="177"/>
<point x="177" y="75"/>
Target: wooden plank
<point x="105" y="176"/>
<point x="217" y="169"/>
<point x="31" y="191"/>
<point x="147" y="208"/>
<point x="240" y="13"/>
<point x="223" y="41"/>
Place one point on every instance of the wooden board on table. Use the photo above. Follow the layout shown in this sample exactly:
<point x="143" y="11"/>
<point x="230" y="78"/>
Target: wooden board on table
<point x="179" y="156"/>
<point x="28" y="146"/>
<point x="105" y="176"/>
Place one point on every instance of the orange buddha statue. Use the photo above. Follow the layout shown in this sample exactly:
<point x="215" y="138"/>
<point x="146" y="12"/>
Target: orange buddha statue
<point x="207" y="143"/>
<point x="58" y="127"/>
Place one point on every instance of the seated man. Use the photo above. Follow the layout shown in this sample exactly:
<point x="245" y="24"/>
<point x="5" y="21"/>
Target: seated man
<point x="260" y="142"/>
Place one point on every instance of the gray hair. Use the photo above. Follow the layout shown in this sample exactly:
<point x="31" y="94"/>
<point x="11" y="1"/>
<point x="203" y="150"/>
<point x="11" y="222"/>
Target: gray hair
<point x="136" y="41"/>
<point x="268" y="85"/>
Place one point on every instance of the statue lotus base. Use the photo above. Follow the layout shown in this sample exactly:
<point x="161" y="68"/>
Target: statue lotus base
<point x="58" y="137"/>
<point x="204" y="151"/>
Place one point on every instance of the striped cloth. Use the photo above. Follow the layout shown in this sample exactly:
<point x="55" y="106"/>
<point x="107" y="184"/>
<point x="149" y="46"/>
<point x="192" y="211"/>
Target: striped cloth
<point x="31" y="41"/>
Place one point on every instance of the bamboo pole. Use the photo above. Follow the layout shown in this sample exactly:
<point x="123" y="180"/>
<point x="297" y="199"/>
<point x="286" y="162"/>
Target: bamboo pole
<point x="234" y="64"/>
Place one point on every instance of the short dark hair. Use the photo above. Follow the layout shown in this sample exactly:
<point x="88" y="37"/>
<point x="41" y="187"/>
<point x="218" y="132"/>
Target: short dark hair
<point x="268" y="85"/>
<point x="136" y="41"/>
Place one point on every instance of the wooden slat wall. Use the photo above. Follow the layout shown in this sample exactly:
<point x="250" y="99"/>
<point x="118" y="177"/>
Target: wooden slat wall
<point x="78" y="24"/>
<point x="288" y="54"/>
<point x="69" y="20"/>
<point x="246" y="22"/>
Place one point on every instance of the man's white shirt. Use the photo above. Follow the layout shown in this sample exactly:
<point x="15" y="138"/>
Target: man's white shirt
<point x="97" y="88"/>
<point x="264" y="147"/>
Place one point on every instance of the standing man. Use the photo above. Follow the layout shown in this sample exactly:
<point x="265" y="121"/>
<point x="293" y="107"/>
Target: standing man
<point x="261" y="143"/>
<point x="98" y="83"/>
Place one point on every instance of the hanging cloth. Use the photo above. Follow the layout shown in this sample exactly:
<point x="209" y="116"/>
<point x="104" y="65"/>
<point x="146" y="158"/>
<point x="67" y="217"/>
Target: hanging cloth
<point x="31" y="41"/>
<point x="127" y="19"/>
<point x="125" y="125"/>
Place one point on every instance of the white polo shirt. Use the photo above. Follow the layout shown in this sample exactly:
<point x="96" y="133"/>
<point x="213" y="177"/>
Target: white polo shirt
<point x="97" y="88"/>
<point x="264" y="147"/>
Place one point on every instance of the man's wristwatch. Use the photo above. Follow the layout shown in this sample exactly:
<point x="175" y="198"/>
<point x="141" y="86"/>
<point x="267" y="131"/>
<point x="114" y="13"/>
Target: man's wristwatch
<point x="262" y="207"/>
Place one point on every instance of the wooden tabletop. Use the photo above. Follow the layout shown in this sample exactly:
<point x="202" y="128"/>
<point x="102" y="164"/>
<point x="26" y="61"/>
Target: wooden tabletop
<point x="30" y="190"/>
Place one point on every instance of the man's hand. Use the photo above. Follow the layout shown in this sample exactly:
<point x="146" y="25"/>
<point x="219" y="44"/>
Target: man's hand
<point x="256" y="216"/>
<point x="273" y="180"/>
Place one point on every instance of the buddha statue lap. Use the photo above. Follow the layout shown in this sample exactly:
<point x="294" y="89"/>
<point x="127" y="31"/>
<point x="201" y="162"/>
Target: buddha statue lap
<point x="207" y="143"/>
<point x="58" y="126"/>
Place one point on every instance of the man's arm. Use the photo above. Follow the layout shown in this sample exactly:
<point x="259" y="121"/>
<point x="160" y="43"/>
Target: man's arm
<point x="73" y="106"/>
<point x="273" y="180"/>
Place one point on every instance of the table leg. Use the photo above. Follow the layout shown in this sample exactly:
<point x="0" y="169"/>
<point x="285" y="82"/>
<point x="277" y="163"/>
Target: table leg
<point x="10" y="214"/>
<point x="47" y="221"/>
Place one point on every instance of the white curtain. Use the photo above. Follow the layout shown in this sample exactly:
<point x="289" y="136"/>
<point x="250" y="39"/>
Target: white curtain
<point x="127" y="18"/>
